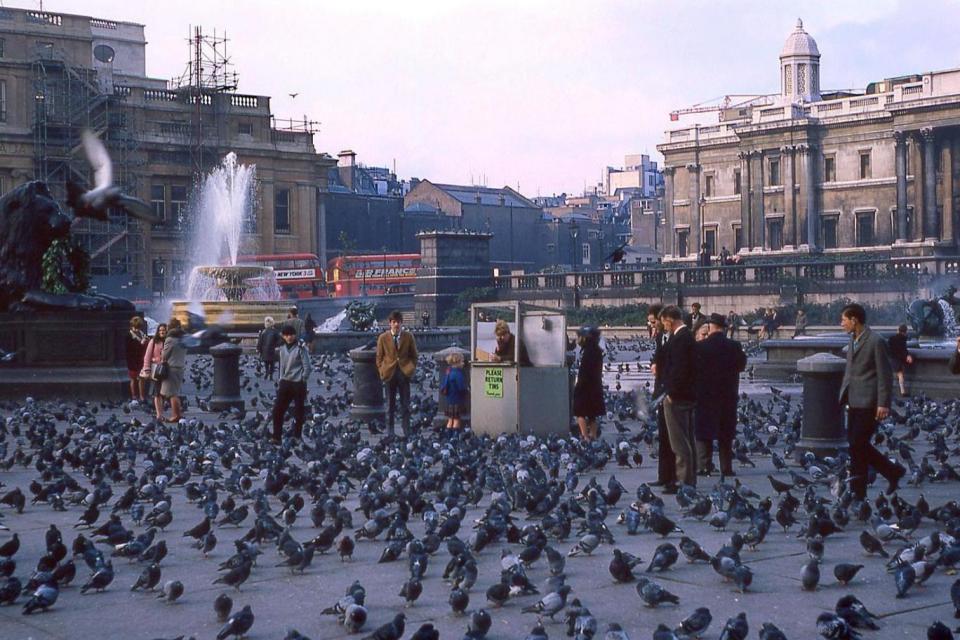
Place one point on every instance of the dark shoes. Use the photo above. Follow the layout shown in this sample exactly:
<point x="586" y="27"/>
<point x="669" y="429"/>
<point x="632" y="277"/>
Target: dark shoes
<point x="894" y="482"/>
<point x="728" y="474"/>
<point x="670" y="490"/>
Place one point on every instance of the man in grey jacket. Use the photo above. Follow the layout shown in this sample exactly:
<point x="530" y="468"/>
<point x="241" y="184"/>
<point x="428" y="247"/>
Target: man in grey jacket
<point x="295" y="368"/>
<point x="866" y="391"/>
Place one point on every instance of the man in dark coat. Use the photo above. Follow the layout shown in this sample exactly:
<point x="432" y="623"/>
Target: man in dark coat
<point x="719" y="362"/>
<point x="866" y="390"/>
<point x="678" y="383"/>
<point x="666" y="462"/>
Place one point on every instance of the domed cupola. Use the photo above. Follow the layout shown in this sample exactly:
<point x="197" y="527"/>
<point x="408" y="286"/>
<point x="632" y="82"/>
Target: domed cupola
<point x="800" y="67"/>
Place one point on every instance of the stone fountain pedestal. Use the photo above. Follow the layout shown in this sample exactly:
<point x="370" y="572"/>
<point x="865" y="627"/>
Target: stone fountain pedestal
<point x="226" y="377"/>
<point x="65" y="354"/>
<point x="823" y="430"/>
<point x="367" y="388"/>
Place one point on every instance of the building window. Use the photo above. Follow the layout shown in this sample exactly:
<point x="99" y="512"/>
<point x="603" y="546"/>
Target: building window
<point x="178" y="204"/>
<point x="828" y="231"/>
<point x="3" y="47"/>
<point x="775" y="234"/>
<point x="736" y="182"/>
<point x="801" y="79"/>
<point x="708" y="186"/>
<point x="281" y="211"/>
<point x="682" y="237"/>
<point x="158" y="201"/>
<point x="774" y="176"/>
<point x="585" y="255"/>
<point x="787" y="80"/>
<point x="893" y="221"/>
<point x="3" y="100"/>
<point x="865" y="231"/>
<point x="245" y="129"/>
<point x="737" y="238"/>
<point x="829" y="168"/>
<point x="865" y="165"/>
<point x="710" y="239"/>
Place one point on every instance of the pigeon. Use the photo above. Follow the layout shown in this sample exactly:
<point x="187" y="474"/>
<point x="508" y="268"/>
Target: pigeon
<point x="770" y="631"/>
<point x="100" y="580"/>
<point x="844" y="572"/>
<point x="871" y="545"/>
<point x="222" y="606"/>
<point x="550" y="604"/>
<point x="459" y="601"/>
<point x="97" y="202"/>
<point x="426" y="632"/>
<point x="411" y="590"/>
<point x="172" y="590"/>
<point x="855" y="613"/>
<point x="736" y="628"/>
<point x="148" y="579"/>
<point x="620" y="568"/>
<point x="480" y="622"/>
<point x="392" y="630"/>
<point x="236" y="576"/>
<point x="810" y="575"/>
<point x="345" y="548"/>
<point x="833" y="627"/>
<point x="696" y="623"/>
<point x="904" y="577"/>
<point x="939" y="631"/>
<point x="653" y="594"/>
<point x="663" y="557"/>
<point x="238" y="624"/>
<point x="354" y="617"/>
<point x="44" y="597"/>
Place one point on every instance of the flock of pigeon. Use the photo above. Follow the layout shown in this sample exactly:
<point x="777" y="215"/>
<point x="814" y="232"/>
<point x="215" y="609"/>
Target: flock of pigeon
<point x="505" y="537"/>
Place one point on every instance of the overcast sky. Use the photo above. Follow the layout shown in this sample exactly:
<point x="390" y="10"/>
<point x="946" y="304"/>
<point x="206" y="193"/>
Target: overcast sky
<point x="537" y="93"/>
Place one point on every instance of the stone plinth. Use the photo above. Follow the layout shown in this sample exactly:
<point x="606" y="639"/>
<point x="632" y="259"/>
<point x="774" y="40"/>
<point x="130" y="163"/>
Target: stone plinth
<point x="367" y="388"/>
<point x="226" y="377"/>
<point x="440" y="358"/>
<point x="450" y="262"/>
<point x="65" y="354"/>
<point x="822" y="431"/>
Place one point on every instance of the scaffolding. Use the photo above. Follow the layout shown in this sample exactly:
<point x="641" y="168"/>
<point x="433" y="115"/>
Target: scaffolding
<point x="67" y="100"/>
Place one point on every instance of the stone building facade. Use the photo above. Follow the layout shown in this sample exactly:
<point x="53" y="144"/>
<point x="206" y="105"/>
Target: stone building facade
<point x="61" y="73"/>
<point x="808" y="170"/>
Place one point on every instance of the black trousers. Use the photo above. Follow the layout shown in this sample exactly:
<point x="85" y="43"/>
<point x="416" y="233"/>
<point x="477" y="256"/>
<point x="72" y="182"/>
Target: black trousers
<point x="399" y="384"/>
<point x="666" y="460"/>
<point x="270" y="366"/>
<point x="861" y="425"/>
<point x="289" y="392"/>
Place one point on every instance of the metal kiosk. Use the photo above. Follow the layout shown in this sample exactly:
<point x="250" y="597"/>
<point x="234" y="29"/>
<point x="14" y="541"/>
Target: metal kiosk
<point x="507" y="397"/>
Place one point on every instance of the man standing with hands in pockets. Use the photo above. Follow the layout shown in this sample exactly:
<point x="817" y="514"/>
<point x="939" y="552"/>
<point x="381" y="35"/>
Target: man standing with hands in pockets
<point x="396" y="363"/>
<point x="295" y="368"/>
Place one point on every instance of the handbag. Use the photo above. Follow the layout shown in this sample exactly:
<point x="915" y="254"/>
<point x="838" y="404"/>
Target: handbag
<point x="161" y="371"/>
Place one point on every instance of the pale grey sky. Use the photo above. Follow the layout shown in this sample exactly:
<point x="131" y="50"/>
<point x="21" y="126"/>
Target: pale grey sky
<point x="540" y="93"/>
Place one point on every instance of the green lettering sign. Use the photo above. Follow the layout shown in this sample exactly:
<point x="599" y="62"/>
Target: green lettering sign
<point x="493" y="382"/>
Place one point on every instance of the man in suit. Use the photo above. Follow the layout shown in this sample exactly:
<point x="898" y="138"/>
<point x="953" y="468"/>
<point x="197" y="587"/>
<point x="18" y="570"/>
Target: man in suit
<point x="396" y="362"/>
<point x="666" y="462"/>
<point x="678" y="383"/>
<point x="866" y="391"/>
<point x="695" y="318"/>
<point x="719" y="362"/>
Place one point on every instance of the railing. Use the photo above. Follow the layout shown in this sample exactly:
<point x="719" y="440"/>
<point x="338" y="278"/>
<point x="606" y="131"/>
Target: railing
<point x="769" y="274"/>
<point x="591" y="280"/>
<point x="859" y="103"/>
<point x="733" y="275"/>
<point x="818" y="271"/>
<point x="122" y="90"/>
<point x="42" y="17"/>
<point x="861" y="271"/>
<point x="98" y="23"/>
<point x="767" y="114"/>
<point x="622" y="279"/>
<point x="160" y="95"/>
<point x="696" y="276"/>
<point x="244" y="101"/>
<point x="913" y="90"/>
<point x="555" y="281"/>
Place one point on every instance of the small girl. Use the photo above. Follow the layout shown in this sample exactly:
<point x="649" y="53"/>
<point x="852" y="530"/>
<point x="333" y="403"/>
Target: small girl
<point x="454" y="388"/>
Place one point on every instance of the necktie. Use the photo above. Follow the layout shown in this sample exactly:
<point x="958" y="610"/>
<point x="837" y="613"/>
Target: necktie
<point x="396" y="341"/>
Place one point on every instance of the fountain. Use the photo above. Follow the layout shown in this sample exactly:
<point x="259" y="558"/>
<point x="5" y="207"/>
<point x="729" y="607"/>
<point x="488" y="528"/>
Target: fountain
<point x="234" y="296"/>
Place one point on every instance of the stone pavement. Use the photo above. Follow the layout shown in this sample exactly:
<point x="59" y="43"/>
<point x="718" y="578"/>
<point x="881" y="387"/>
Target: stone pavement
<point x="281" y="601"/>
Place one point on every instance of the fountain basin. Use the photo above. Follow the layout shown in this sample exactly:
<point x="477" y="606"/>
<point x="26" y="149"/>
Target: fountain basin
<point x="236" y="318"/>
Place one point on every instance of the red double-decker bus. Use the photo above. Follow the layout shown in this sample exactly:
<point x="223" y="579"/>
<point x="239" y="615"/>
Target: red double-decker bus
<point x="372" y="274"/>
<point x="299" y="275"/>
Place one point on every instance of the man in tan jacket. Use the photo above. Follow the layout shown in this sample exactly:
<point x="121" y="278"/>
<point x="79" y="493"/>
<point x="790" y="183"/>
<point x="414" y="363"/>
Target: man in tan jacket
<point x="396" y="362"/>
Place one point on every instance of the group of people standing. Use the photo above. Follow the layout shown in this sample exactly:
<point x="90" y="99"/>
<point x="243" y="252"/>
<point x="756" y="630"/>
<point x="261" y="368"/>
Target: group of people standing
<point x="696" y="386"/>
<point x="155" y="365"/>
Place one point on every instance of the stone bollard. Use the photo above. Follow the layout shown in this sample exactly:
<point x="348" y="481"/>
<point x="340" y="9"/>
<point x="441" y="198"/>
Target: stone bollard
<point x="226" y="377"/>
<point x="367" y="388"/>
<point x="440" y="358"/>
<point x="823" y="431"/>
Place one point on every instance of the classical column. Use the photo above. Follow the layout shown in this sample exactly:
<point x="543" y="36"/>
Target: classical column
<point x="810" y="196"/>
<point x="757" y="226"/>
<point x="901" y="157"/>
<point x="746" y="240"/>
<point x="931" y="228"/>
<point x="668" y="230"/>
<point x="696" y="224"/>
<point x="788" y="162"/>
<point x="947" y="219"/>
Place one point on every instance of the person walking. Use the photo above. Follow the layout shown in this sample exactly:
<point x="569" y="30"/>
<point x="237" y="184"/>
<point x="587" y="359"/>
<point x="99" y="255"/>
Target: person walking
<point x="396" y="363"/>
<point x="453" y="388"/>
<point x="267" y="343"/>
<point x="719" y="362"/>
<point x="666" y="459"/>
<point x="768" y="326"/>
<point x="295" y="367"/>
<point x="175" y="356"/>
<point x="136" y="344"/>
<point x="588" y="390"/>
<point x="152" y="357"/>
<point x="679" y="385"/>
<point x="800" y="324"/>
<point x="900" y="356"/>
<point x="865" y="391"/>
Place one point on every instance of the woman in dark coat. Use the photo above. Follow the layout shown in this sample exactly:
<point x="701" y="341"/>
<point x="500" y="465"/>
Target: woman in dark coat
<point x="267" y="344"/>
<point x="588" y="392"/>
